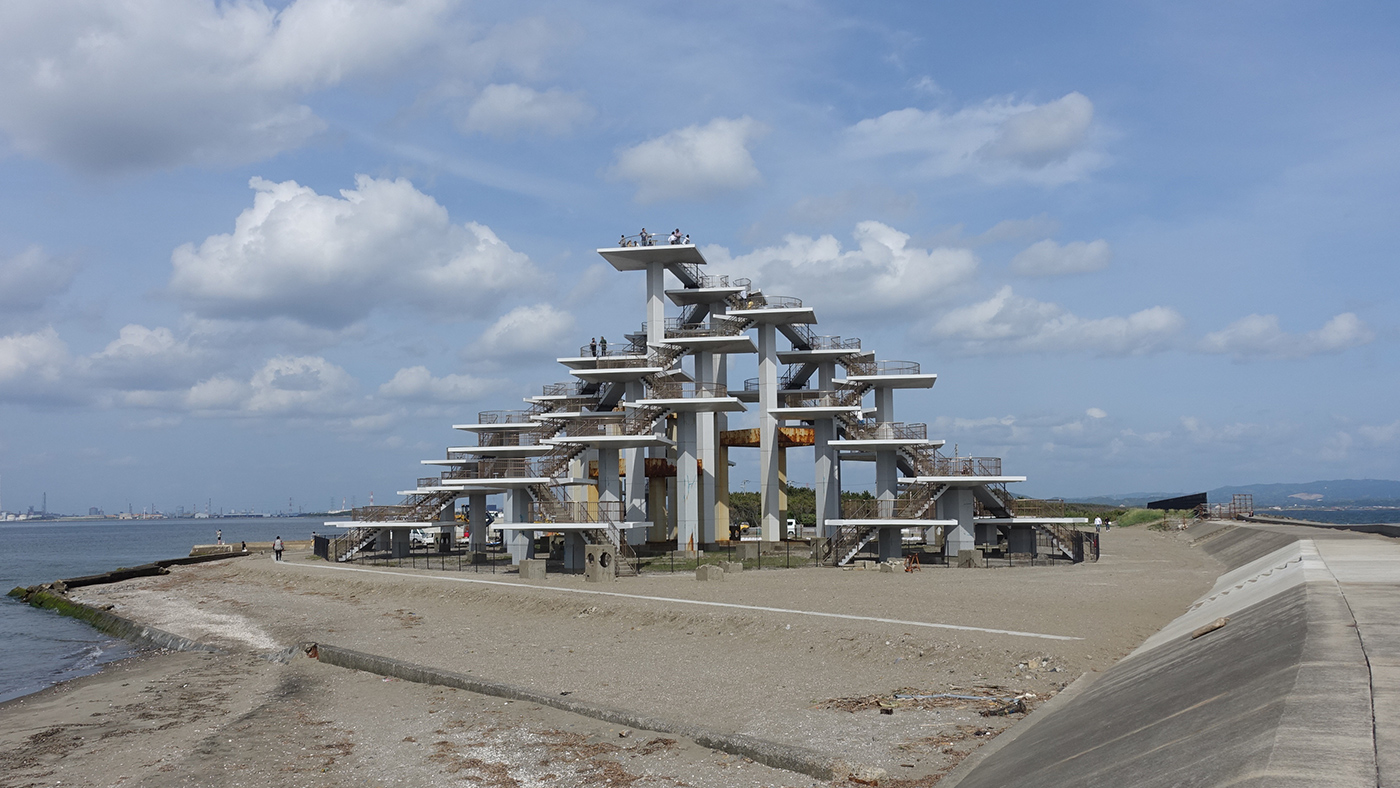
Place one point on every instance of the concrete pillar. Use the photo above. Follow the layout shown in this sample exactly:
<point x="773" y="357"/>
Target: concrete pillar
<point x="520" y="542"/>
<point x="476" y="539"/>
<point x="769" y="482"/>
<point x="722" y="521"/>
<point x="707" y="439"/>
<point x="986" y="533"/>
<point x="636" y="468"/>
<point x="782" y="488"/>
<point x="958" y="504"/>
<point x="886" y="481"/>
<point x="609" y="487"/>
<point x="656" y="509"/>
<point x="1021" y="540"/>
<point x="656" y="303"/>
<point x="398" y="542"/>
<point x="827" y="475"/>
<point x="687" y="483"/>
<point x="891" y="544"/>
<point x="884" y="404"/>
<point x="573" y="551"/>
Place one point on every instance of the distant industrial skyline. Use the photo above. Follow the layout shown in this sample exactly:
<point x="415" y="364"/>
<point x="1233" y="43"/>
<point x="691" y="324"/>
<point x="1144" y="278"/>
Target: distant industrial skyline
<point x="247" y="253"/>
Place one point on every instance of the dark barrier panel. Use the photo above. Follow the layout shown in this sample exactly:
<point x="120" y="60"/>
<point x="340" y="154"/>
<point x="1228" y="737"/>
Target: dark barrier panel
<point x="1180" y="502"/>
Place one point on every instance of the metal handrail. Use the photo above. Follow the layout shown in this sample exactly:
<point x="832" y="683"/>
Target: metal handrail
<point x="761" y="301"/>
<point x="677" y="390"/>
<point x="1031" y="507"/>
<point x="896" y="367"/>
<point x="938" y="465"/>
<point x="648" y="240"/>
<point x="503" y="417"/>
<point x="547" y="511"/>
<point x="812" y="398"/>
<point x="568" y="388"/>
<point x="629" y="349"/>
<point x="820" y="342"/>
<point x="887" y="430"/>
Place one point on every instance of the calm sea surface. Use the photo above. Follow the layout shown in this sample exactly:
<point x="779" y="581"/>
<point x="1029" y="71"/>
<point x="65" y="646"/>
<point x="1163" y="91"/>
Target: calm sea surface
<point x="39" y="648"/>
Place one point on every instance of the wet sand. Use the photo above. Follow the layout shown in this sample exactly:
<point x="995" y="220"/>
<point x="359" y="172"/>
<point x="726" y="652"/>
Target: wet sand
<point x="814" y="681"/>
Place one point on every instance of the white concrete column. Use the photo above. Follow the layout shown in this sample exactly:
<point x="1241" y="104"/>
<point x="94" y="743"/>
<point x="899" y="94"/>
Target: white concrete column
<point x="476" y="510"/>
<point x="827" y="475"/>
<point x="609" y="487"/>
<point x="520" y="542"/>
<point x="884" y="404"/>
<point x="687" y="483"/>
<point x="636" y="468"/>
<point x="769" y="484"/>
<point x="656" y="303"/>
<point x="958" y="504"/>
<point x="708" y="442"/>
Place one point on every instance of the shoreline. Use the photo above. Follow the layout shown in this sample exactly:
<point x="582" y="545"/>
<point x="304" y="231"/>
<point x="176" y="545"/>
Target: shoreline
<point x="712" y="663"/>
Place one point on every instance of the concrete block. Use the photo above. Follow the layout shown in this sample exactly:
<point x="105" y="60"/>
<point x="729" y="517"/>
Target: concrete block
<point x="888" y="567"/>
<point x="863" y="563"/>
<point x="732" y="567"/>
<point x="599" y="563"/>
<point x="746" y="551"/>
<point x="969" y="559"/>
<point x="478" y="558"/>
<point x="709" y="572"/>
<point x="532" y="569"/>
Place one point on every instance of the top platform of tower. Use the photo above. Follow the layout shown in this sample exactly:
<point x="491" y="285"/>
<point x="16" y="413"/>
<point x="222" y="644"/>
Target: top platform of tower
<point x="637" y="258"/>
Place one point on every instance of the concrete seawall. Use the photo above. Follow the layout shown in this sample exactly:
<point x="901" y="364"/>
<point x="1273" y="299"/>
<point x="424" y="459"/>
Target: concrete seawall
<point x="115" y="625"/>
<point x="1281" y="695"/>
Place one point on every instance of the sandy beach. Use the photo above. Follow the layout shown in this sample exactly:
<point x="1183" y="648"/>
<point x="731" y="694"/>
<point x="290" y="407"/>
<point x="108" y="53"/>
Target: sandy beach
<point x="812" y="670"/>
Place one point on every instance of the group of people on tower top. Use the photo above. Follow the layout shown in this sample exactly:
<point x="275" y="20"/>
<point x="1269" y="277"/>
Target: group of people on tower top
<point x="645" y="238"/>
<point x="596" y="349"/>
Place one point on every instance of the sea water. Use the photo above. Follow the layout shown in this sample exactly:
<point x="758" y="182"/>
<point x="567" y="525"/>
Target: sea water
<point x="39" y="648"/>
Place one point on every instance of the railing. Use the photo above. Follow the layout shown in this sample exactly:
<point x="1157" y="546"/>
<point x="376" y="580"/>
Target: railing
<point x="784" y="380"/>
<point x="556" y="511"/>
<point x="905" y="507"/>
<point x="601" y="351"/>
<point x="503" y="417"/>
<point x="649" y="239"/>
<point x="882" y="367"/>
<point x="761" y="301"/>
<point x="381" y="513"/>
<point x="807" y="335"/>
<point x="811" y="398"/>
<point x="939" y="465"/>
<point x="887" y="430"/>
<point x="513" y="438"/>
<point x="569" y="388"/>
<point x="676" y="390"/>
<point x="834" y="343"/>
<point x="1030" y="507"/>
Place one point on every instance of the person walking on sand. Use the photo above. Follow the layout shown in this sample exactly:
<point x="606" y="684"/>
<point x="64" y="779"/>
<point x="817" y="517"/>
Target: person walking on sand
<point x="219" y="536"/>
<point x="1098" y="524"/>
<point x="277" y="549"/>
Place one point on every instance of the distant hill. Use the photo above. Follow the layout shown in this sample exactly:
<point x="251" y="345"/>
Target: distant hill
<point x="1337" y="492"/>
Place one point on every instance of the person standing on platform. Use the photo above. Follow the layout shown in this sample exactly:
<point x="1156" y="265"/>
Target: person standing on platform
<point x="603" y="346"/>
<point x="277" y="549"/>
<point x="593" y="346"/>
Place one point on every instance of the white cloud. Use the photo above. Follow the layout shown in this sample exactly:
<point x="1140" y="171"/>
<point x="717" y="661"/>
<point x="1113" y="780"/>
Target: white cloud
<point x="31" y="277"/>
<point x="284" y="386"/>
<point x="417" y="383"/>
<point x="505" y="110"/>
<point x="695" y="162"/>
<point x="1047" y="258"/>
<point x="32" y="363"/>
<point x="1096" y="413"/>
<point x="526" y="330"/>
<point x="1259" y="336"/>
<point x="1008" y="323"/>
<point x="145" y="358"/>
<point x="108" y="86"/>
<point x="998" y="140"/>
<point x="882" y="274"/>
<point x="330" y="261"/>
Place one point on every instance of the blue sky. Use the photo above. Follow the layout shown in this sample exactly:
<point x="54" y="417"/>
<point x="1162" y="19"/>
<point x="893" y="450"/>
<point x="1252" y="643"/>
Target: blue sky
<point x="252" y="252"/>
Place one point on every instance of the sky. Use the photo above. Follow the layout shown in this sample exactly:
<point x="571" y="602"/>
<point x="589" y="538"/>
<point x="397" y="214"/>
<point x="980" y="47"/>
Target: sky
<point x="265" y="254"/>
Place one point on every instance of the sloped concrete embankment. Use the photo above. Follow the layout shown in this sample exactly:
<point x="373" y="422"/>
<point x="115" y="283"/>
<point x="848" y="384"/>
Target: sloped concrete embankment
<point x="1279" y="696"/>
<point x="114" y="625"/>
